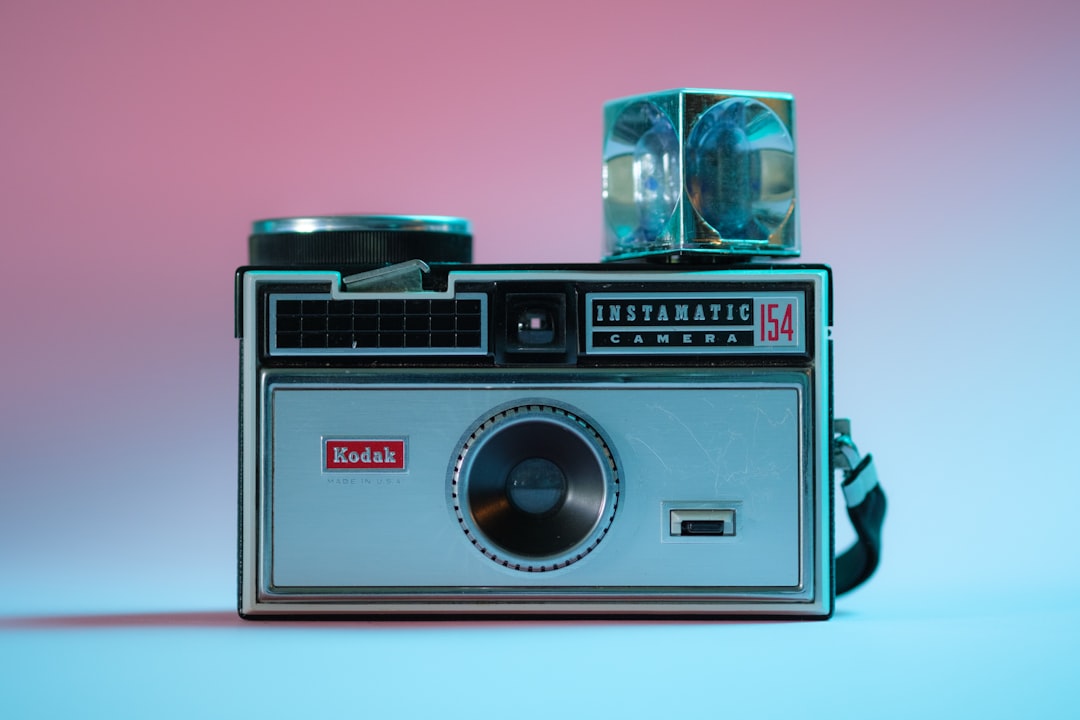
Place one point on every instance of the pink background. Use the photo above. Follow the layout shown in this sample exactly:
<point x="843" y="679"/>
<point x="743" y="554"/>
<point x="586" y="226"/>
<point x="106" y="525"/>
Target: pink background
<point x="938" y="155"/>
<point x="139" y="140"/>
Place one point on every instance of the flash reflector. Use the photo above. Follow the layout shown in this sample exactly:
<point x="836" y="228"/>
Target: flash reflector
<point x="700" y="171"/>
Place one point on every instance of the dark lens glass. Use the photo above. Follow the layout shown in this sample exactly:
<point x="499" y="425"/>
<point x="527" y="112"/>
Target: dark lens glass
<point x="536" y="486"/>
<point x="535" y="326"/>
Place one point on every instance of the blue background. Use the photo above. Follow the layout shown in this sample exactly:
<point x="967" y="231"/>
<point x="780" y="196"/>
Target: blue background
<point x="938" y="177"/>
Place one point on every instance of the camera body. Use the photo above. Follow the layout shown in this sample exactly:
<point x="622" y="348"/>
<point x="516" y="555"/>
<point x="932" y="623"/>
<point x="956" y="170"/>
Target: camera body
<point x="611" y="439"/>
<point x="652" y="436"/>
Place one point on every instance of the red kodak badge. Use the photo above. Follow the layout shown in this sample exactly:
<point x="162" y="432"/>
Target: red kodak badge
<point x="376" y="454"/>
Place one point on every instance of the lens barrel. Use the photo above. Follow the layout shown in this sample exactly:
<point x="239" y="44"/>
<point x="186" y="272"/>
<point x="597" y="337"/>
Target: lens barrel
<point x="535" y="487"/>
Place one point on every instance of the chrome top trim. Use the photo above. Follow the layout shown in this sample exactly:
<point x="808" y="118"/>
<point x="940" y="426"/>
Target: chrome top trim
<point x="337" y="223"/>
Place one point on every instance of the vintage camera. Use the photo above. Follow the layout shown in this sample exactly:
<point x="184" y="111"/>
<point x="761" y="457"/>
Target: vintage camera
<point x="648" y="436"/>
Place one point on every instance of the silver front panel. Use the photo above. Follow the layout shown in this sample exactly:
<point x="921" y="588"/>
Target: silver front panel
<point x="739" y="445"/>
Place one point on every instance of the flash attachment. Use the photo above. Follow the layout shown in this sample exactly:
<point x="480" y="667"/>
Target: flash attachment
<point x="700" y="172"/>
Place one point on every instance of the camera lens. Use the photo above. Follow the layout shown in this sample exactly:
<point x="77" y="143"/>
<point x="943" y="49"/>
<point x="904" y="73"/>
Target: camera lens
<point x="535" y="487"/>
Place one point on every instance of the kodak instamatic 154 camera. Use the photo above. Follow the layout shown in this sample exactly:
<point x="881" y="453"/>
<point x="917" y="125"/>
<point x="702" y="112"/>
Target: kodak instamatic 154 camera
<point x="648" y="436"/>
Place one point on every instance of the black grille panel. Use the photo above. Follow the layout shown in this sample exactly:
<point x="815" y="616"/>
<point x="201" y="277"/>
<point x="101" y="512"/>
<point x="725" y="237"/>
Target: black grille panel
<point x="378" y="326"/>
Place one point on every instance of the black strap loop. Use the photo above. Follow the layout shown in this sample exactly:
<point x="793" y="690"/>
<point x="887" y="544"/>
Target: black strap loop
<point x="866" y="508"/>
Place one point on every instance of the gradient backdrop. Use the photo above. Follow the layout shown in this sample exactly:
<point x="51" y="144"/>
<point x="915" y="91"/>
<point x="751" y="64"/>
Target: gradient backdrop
<point x="938" y="170"/>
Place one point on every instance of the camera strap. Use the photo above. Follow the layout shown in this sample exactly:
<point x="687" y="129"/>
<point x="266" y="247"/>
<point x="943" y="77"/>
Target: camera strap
<point x="865" y="506"/>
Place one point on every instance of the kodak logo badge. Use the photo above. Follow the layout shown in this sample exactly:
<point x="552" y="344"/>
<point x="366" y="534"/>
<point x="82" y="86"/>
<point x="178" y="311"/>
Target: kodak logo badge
<point x="379" y="454"/>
